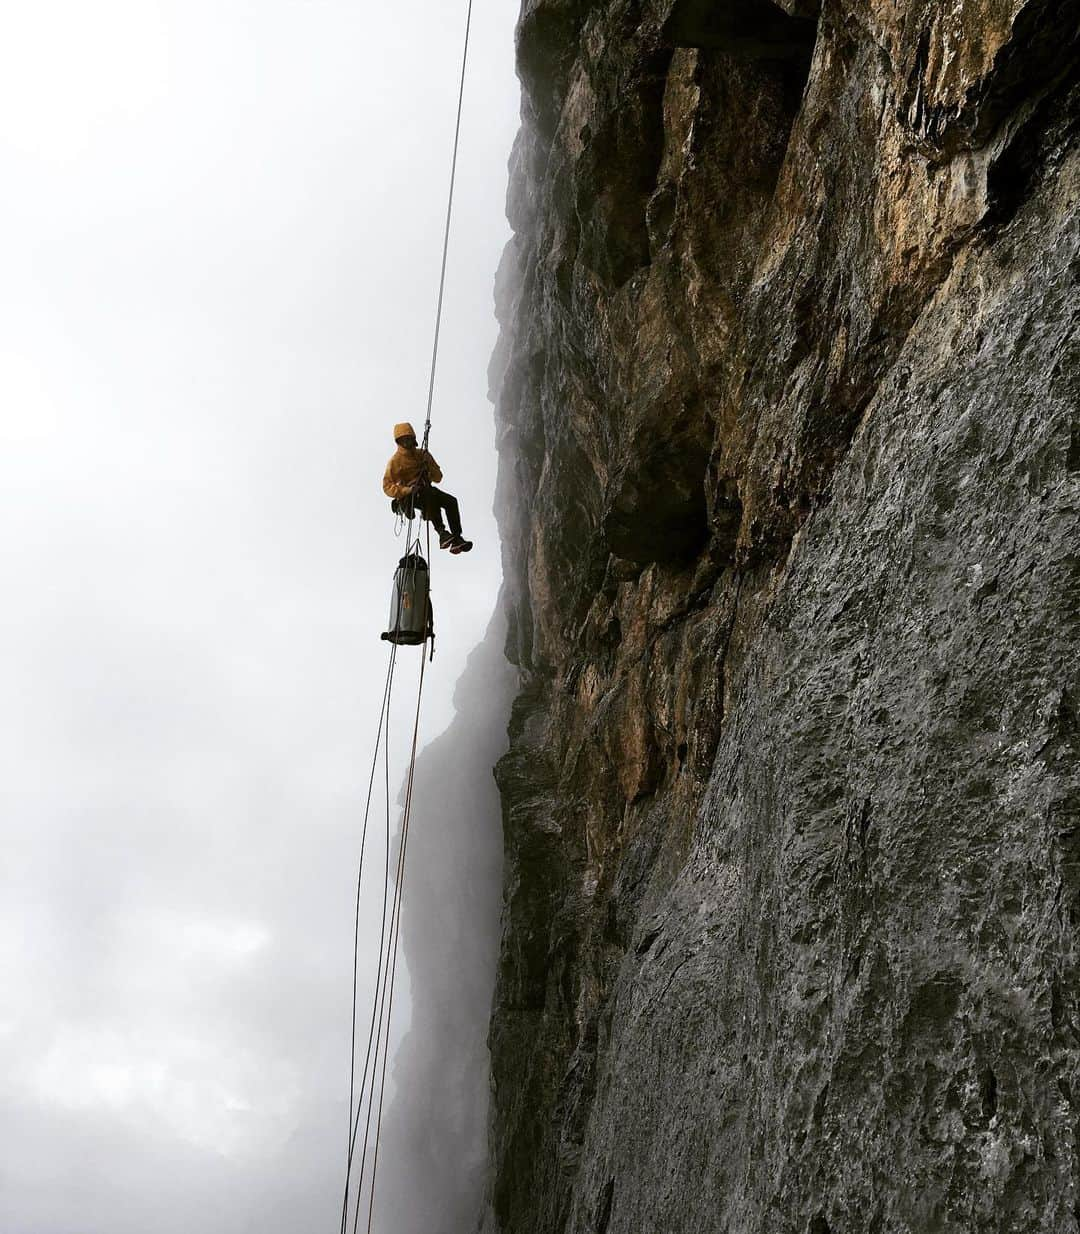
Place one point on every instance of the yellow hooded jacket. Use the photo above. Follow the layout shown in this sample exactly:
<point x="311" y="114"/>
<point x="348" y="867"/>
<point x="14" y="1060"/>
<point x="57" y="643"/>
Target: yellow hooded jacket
<point x="405" y="468"/>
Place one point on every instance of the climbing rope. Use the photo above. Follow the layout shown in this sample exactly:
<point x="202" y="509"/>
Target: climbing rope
<point x="446" y="232"/>
<point x="362" y="1101"/>
<point x="366" y="1104"/>
<point x="383" y="716"/>
<point x="363" y="1106"/>
<point x="382" y="745"/>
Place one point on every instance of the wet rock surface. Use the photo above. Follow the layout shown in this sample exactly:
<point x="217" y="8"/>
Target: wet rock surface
<point x="789" y="491"/>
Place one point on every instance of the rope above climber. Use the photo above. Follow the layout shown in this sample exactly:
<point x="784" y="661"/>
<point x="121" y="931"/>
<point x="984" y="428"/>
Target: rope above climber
<point x="409" y="481"/>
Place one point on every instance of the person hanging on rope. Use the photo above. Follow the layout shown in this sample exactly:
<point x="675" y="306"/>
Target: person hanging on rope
<point x="409" y="481"/>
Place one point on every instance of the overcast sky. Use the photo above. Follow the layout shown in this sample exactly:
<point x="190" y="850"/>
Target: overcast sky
<point x="219" y="242"/>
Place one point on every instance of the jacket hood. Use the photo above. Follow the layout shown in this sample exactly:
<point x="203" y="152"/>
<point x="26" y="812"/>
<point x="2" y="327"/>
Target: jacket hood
<point x="405" y="429"/>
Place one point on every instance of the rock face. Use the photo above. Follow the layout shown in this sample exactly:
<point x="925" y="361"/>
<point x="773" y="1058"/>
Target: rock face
<point x="789" y="491"/>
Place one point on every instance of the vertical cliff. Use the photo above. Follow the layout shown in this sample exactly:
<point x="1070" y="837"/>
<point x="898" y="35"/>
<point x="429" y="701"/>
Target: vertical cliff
<point x="790" y="475"/>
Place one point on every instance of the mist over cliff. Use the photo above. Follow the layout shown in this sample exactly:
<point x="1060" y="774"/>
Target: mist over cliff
<point x="790" y="473"/>
<point x="433" y="1160"/>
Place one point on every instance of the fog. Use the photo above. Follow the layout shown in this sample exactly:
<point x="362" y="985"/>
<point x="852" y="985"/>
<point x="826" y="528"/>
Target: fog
<point x="220" y="239"/>
<point x="433" y="1169"/>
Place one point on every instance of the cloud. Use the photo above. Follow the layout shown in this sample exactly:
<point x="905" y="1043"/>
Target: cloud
<point x="220" y="247"/>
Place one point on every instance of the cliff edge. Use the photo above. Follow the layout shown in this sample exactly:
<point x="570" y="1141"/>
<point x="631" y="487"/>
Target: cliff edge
<point x="790" y="474"/>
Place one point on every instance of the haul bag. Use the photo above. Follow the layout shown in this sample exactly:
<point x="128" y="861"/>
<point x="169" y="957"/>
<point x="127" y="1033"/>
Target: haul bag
<point x="410" y="603"/>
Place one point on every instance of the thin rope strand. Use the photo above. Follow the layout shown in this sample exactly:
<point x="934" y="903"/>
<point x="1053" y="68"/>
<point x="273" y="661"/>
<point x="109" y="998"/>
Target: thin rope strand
<point x="387" y="984"/>
<point x="355" y="1104"/>
<point x="383" y="716"/>
<point x="449" y="216"/>
<point x="371" y="1052"/>
<point x="396" y="936"/>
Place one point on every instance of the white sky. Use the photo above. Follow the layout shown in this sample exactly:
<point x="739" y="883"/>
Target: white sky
<point x="219" y="235"/>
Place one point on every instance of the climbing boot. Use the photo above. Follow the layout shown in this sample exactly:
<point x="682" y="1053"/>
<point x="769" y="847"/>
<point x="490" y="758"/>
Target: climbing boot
<point x="446" y="540"/>
<point x="458" y="545"/>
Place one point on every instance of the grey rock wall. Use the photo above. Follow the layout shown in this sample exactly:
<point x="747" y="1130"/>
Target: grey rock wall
<point x="789" y="493"/>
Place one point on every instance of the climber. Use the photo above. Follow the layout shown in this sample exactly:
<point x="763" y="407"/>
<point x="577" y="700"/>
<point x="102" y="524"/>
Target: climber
<point x="409" y="480"/>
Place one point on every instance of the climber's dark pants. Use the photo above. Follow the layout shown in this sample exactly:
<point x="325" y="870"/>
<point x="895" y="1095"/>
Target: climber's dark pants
<point x="432" y="502"/>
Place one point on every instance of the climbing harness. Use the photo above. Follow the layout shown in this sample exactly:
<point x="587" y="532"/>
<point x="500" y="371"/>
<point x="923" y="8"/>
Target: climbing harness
<point x="411" y="624"/>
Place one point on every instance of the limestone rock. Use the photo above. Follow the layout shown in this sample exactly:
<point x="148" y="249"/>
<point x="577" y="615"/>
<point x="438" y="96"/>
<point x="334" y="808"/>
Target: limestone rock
<point x="790" y="477"/>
